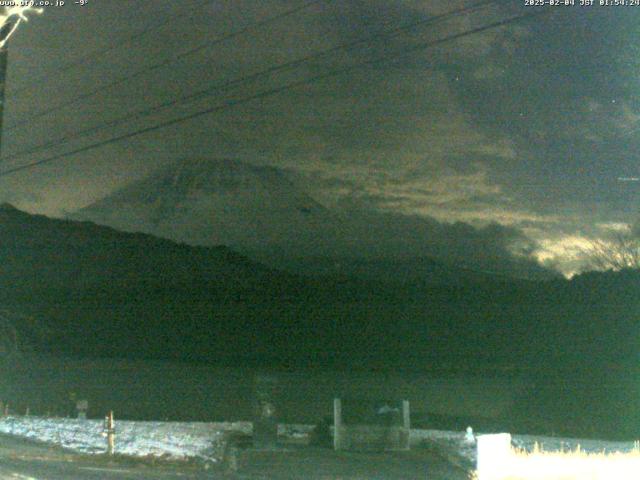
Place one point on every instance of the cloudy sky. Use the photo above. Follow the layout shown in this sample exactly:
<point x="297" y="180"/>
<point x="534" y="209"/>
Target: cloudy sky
<point x="534" y="125"/>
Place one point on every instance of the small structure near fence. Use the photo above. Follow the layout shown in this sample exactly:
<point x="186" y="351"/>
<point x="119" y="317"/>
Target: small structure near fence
<point x="109" y="432"/>
<point x="367" y="425"/>
<point x="82" y="406"/>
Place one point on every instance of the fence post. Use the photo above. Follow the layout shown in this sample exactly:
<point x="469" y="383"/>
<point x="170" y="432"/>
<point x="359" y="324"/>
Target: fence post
<point x="337" y="424"/>
<point x="406" y="415"/>
<point x="406" y="426"/>
<point x="110" y="433"/>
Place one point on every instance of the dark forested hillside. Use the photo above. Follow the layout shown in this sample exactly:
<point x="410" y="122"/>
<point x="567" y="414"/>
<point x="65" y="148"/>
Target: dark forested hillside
<point x="100" y="292"/>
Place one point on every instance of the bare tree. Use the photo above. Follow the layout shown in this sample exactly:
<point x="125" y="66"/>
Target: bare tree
<point x="621" y="251"/>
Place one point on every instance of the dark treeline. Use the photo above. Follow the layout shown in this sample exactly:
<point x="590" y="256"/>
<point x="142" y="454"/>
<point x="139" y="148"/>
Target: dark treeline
<point x="99" y="291"/>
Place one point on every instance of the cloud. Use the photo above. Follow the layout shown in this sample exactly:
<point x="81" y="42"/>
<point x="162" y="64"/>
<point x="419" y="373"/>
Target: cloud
<point x="387" y="234"/>
<point x="470" y="131"/>
<point x="614" y="227"/>
<point x="567" y="254"/>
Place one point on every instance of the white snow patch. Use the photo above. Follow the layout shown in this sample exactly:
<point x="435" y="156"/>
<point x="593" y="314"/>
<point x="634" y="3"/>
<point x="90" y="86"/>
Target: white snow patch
<point x="139" y="439"/>
<point x="176" y="440"/>
<point x="455" y="444"/>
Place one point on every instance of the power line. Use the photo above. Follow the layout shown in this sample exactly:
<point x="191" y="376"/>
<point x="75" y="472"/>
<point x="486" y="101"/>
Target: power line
<point x="245" y="79"/>
<point x="268" y="93"/>
<point x="264" y="94"/>
<point x="96" y="53"/>
<point x="164" y="63"/>
<point x="293" y="63"/>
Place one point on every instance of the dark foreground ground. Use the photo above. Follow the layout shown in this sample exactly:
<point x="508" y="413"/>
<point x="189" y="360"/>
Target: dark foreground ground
<point x="20" y="459"/>
<point x="328" y="465"/>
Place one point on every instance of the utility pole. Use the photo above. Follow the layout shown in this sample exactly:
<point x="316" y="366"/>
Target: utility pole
<point x="4" y="58"/>
<point x="7" y="28"/>
<point x="9" y="22"/>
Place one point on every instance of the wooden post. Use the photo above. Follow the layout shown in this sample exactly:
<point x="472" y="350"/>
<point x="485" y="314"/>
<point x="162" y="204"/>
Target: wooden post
<point x="110" y="433"/>
<point x="337" y="424"/>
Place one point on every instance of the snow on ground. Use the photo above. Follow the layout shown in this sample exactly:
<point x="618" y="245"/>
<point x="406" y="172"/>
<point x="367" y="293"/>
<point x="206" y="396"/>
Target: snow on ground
<point x="550" y="444"/>
<point x="455" y="444"/>
<point x="139" y="439"/>
<point x="177" y="440"/>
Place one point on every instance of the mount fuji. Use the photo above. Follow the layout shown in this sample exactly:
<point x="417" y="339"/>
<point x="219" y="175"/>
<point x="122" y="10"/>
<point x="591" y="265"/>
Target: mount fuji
<point x="218" y="202"/>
